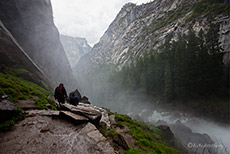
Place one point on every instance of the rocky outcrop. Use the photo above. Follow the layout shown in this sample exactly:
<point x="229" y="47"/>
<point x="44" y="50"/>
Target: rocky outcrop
<point x="84" y="128"/>
<point x="178" y="133"/>
<point x="41" y="132"/>
<point x="31" y="24"/>
<point x="70" y="130"/>
<point x="183" y="133"/>
<point x="75" y="48"/>
<point x="139" y="30"/>
<point x="225" y="37"/>
<point x="171" y="139"/>
<point x="91" y="115"/>
<point x="7" y="108"/>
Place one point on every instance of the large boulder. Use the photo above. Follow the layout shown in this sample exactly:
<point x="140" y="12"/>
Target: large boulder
<point x="7" y="108"/>
<point x="94" y="116"/>
<point x="192" y="140"/>
<point x="120" y="140"/>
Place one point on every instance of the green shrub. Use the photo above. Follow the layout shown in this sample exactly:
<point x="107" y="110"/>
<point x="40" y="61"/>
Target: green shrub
<point x="208" y="8"/>
<point x="15" y="72"/>
<point x="134" y="151"/>
<point x="148" y="138"/>
<point x="112" y="132"/>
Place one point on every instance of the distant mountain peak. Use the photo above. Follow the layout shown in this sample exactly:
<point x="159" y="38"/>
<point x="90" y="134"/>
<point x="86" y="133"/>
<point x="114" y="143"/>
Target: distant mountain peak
<point x="128" y="6"/>
<point x="75" y="48"/>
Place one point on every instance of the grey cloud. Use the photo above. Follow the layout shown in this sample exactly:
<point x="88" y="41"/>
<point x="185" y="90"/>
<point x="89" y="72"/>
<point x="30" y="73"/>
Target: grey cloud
<point x="86" y="18"/>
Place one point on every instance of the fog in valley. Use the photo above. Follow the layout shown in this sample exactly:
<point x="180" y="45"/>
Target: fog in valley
<point x="197" y="134"/>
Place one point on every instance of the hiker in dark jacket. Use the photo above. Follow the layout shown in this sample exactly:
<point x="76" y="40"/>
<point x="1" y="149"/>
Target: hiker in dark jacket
<point x="74" y="97"/>
<point x="60" y="94"/>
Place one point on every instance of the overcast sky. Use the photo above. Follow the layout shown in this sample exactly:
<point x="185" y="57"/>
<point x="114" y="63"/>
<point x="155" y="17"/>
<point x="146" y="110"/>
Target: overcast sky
<point x="87" y="18"/>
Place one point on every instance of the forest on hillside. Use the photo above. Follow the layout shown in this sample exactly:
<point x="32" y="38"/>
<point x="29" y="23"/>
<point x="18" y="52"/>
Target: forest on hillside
<point x="189" y="70"/>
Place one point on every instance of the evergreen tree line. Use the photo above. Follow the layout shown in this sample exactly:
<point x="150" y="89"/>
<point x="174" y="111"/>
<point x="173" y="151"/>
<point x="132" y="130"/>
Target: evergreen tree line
<point x="190" y="67"/>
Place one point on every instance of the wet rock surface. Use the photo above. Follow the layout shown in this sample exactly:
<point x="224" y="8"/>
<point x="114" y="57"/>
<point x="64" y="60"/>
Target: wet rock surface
<point x="120" y="140"/>
<point x="104" y="114"/>
<point x="81" y="129"/>
<point x="7" y="108"/>
<point x="33" y="113"/>
<point x="74" y="117"/>
<point x="6" y="104"/>
<point x="26" y="104"/>
<point x="52" y="132"/>
<point x="93" y="115"/>
<point x="188" y="138"/>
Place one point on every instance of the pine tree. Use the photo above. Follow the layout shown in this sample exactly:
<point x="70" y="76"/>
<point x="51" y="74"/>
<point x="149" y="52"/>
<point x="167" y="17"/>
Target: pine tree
<point x="143" y="83"/>
<point x="168" y="83"/>
<point x="215" y="59"/>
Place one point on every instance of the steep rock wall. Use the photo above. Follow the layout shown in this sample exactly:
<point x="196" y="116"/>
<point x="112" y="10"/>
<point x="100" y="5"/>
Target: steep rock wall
<point x="12" y="55"/>
<point x="31" y="24"/>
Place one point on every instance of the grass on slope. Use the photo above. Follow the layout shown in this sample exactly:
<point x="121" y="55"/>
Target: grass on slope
<point x="18" y="89"/>
<point x="148" y="138"/>
<point x="13" y="84"/>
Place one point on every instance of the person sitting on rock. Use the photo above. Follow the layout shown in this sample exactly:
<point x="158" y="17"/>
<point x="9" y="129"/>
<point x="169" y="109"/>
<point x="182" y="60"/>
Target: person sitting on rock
<point x="74" y="97"/>
<point x="60" y="94"/>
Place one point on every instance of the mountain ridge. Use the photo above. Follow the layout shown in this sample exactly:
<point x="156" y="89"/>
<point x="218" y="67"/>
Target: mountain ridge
<point x="139" y="29"/>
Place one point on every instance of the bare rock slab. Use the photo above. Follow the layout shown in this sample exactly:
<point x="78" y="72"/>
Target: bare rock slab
<point x="74" y="117"/>
<point x="26" y="104"/>
<point x="105" y="117"/>
<point x="93" y="115"/>
<point x="44" y="134"/>
<point x="31" y="113"/>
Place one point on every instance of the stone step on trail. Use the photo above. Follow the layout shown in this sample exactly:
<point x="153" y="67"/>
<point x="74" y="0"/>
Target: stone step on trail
<point x="94" y="116"/>
<point x="77" y="119"/>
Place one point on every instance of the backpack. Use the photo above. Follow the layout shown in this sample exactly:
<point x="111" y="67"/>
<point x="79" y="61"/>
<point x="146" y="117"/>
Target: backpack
<point x="60" y="92"/>
<point x="74" y="100"/>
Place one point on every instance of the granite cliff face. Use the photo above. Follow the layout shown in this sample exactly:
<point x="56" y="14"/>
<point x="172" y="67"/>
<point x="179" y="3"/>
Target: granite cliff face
<point x="75" y="48"/>
<point x="12" y="55"/>
<point x="141" y="29"/>
<point x="31" y="24"/>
